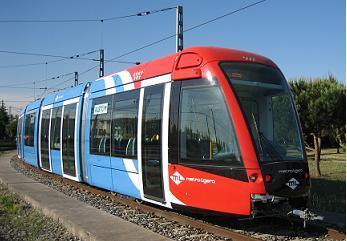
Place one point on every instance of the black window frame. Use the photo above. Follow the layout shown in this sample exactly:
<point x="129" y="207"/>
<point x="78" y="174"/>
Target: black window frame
<point x="152" y="159"/>
<point x="123" y="96"/>
<point x="202" y="82"/>
<point x="174" y="116"/>
<point x="29" y="130"/>
<point x="69" y="144"/>
<point x="44" y="138"/>
<point x="54" y="126"/>
<point x="93" y="124"/>
<point x="19" y="135"/>
<point x="256" y="144"/>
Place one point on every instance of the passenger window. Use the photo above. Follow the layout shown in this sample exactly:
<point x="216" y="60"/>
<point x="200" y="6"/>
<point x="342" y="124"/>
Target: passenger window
<point x="29" y="129"/>
<point x="100" y="126"/>
<point x="124" y="124"/>
<point x="44" y="135"/>
<point x="55" y="128"/>
<point x="68" y="139"/>
<point x="207" y="135"/>
<point x="152" y="176"/>
<point x="19" y="131"/>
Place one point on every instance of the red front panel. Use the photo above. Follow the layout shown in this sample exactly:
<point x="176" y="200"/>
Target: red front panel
<point x="208" y="191"/>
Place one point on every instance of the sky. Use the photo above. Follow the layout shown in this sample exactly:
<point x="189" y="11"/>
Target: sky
<point x="305" y="38"/>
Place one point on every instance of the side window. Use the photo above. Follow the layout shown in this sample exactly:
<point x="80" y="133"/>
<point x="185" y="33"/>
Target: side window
<point x="19" y="135"/>
<point x="44" y="135"/>
<point x="19" y="130"/>
<point x="55" y="128"/>
<point x="173" y="122"/>
<point x="207" y="136"/>
<point x="124" y="124"/>
<point x="100" y="125"/>
<point x="68" y="139"/>
<point x="29" y="129"/>
<point x="151" y="124"/>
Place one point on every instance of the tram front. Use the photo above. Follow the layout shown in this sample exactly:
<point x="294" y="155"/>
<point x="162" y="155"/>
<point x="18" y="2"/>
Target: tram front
<point x="268" y="108"/>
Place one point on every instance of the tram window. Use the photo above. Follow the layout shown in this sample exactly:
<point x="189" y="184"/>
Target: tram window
<point x="207" y="136"/>
<point x="68" y="139"/>
<point x="19" y="134"/>
<point x="29" y="129"/>
<point x="124" y="124"/>
<point x="44" y="132"/>
<point x="55" y="128"/>
<point x="100" y="126"/>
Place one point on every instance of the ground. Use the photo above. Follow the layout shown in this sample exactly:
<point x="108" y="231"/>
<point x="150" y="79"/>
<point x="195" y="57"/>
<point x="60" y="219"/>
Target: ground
<point x="328" y="191"/>
<point x="19" y="221"/>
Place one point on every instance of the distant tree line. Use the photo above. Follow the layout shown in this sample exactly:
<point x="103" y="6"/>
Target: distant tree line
<point x="321" y="104"/>
<point x="8" y="125"/>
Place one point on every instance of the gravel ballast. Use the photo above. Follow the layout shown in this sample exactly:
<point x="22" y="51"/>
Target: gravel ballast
<point x="163" y="226"/>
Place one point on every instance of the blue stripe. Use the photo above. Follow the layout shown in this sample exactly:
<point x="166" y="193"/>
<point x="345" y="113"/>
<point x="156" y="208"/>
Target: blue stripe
<point x="119" y="83"/>
<point x="118" y="163"/>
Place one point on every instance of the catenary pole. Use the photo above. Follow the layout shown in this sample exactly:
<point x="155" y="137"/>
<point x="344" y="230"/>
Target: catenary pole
<point x="179" y="28"/>
<point x="76" y="78"/>
<point x="102" y="63"/>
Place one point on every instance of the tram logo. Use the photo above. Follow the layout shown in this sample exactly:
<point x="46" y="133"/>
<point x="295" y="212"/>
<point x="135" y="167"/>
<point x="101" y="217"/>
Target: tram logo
<point x="177" y="178"/>
<point x="58" y="97"/>
<point x="293" y="183"/>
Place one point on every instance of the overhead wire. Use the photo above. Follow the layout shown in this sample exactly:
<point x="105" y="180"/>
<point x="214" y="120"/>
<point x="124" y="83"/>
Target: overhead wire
<point x="52" y="78"/>
<point x="17" y="100"/>
<point x="38" y="81"/>
<point x="189" y="29"/>
<point x="30" y="64"/>
<point x="62" y="58"/>
<point x="145" y="13"/>
<point x="49" y="55"/>
<point x="139" y="14"/>
<point x="160" y="40"/>
<point x="79" y="74"/>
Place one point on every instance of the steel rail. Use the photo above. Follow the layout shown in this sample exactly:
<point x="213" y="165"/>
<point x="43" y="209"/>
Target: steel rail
<point x="165" y="213"/>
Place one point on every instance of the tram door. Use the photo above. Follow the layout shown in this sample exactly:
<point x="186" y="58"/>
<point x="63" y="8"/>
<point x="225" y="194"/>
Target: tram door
<point x="152" y="177"/>
<point x="44" y="140"/>
<point x="68" y="140"/>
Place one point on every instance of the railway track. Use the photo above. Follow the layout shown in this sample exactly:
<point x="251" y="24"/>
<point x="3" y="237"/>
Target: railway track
<point x="167" y="219"/>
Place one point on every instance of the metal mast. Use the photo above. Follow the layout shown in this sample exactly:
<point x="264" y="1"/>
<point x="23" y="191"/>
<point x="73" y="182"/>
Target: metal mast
<point x="102" y="63"/>
<point x="179" y="28"/>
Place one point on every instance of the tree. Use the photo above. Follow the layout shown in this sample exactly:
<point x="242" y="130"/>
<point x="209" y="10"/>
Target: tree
<point x="11" y="128"/>
<point x="319" y="102"/>
<point x="4" y="118"/>
<point x="337" y="130"/>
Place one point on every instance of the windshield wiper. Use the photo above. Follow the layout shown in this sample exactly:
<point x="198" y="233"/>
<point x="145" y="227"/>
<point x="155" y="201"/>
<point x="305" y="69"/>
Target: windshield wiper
<point x="269" y="148"/>
<point x="265" y="146"/>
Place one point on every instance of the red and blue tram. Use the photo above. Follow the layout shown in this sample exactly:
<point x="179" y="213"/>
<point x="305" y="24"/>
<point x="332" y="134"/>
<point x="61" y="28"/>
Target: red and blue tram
<point x="206" y="129"/>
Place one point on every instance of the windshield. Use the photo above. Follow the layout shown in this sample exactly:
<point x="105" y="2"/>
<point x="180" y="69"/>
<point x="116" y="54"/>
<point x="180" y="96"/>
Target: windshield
<point x="265" y="100"/>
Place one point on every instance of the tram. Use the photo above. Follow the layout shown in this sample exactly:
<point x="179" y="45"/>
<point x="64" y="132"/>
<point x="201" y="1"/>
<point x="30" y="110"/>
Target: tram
<point x="206" y="130"/>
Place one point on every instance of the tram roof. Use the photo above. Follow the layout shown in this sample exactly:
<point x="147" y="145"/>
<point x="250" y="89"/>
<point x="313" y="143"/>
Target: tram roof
<point x="188" y="59"/>
<point x="174" y="64"/>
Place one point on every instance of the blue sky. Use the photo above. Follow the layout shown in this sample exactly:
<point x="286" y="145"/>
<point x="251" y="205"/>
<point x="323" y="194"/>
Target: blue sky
<point x="304" y="38"/>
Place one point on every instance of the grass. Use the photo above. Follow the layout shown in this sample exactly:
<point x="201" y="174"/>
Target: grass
<point x="20" y="216"/>
<point x="20" y="221"/>
<point x="7" y="145"/>
<point x="328" y="191"/>
<point x="329" y="154"/>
